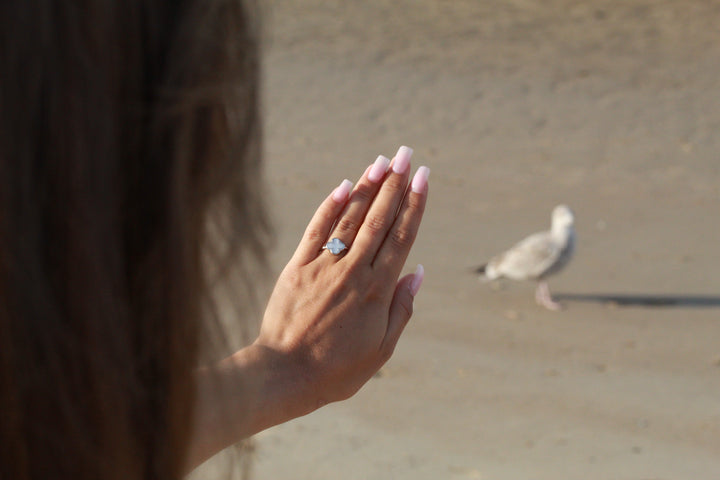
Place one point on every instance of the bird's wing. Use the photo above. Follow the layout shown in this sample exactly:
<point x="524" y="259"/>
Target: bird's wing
<point x="529" y="258"/>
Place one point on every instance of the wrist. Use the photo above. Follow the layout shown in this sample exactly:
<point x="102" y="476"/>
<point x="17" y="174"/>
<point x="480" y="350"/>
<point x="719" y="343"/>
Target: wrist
<point x="280" y="390"/>
<point x="254" y="389"/>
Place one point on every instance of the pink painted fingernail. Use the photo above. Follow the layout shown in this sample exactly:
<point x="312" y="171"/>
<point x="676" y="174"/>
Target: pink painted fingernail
<point x="402" y="159"/>
<point x="420" y="180"/>
<point x="417" y="280"/>
<point x="342" y="192"/>
<point x="379" y="168"/>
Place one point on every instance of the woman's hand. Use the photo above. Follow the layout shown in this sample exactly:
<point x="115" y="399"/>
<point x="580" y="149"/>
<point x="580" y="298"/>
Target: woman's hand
<point x="332" y="320"/>
<point x="336" y="318"/>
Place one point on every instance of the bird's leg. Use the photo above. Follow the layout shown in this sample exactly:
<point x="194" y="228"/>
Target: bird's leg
<point x="543" y="297"/>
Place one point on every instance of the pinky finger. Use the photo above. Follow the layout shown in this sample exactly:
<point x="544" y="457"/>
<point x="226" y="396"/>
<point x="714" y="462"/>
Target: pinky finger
<point x="322" y="221"/>
<point x="401" y="308"/>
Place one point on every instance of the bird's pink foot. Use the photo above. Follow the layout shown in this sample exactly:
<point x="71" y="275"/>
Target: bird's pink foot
<point x="543" y="297"/>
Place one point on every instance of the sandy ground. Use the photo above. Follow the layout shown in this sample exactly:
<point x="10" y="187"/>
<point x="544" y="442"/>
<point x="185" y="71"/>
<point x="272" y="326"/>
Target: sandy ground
<point x="612" y="107"/>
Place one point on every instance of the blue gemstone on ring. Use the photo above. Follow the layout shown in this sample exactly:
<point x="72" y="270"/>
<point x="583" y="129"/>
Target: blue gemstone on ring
<point x="335" y="246"/>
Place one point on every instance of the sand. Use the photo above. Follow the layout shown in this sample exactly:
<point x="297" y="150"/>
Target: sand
<point x="612" y="107"/>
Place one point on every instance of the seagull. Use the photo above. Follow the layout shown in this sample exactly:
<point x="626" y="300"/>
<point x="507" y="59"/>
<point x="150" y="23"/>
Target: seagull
<point x="537" y="257"/>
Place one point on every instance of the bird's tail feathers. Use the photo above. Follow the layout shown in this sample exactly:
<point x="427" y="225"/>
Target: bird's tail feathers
<point x="488" y="272"/>
<point x="482" y="272"/>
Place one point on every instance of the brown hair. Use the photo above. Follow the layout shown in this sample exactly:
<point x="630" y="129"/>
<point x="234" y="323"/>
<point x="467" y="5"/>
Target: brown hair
<point x="128" y="131"/>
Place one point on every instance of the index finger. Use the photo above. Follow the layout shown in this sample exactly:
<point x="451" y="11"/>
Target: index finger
<point x="395" y="249"/>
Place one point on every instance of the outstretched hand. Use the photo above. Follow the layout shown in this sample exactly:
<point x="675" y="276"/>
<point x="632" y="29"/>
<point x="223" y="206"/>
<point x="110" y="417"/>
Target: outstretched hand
<point x="332" y="320"/>
<point x="337" y="318"/>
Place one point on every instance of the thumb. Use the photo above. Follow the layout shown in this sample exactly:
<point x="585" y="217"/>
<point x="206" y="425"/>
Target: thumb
<point x="401" y="307"/>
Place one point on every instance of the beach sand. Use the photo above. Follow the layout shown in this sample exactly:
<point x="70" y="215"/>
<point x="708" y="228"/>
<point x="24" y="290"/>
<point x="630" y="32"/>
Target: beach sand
<point x="611" y="107"/>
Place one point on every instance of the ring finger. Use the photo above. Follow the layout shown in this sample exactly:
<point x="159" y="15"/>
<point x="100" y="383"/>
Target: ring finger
<point x="353" y="215"/>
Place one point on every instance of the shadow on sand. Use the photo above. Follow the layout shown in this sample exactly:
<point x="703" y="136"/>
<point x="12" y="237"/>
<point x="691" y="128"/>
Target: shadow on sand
<point x="642" y="300"/>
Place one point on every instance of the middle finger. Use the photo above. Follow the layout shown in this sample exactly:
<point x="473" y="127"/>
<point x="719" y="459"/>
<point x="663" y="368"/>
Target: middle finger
<point x="353" y="215"/>
<point x="384" y="208"/>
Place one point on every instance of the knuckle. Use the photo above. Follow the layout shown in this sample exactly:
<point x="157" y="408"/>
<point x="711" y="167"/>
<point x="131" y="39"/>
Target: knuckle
<point x="314" y="234"/>
<point x="292" y="278"/>
<point x="386" y="352"/>
<point x="376" y="223"/>
<point x="415" y="203"/>
<point x="347" y="225"/>
<point x="401" y="238"/>
<point x="395" y="182"/>
<point x="375" y="293"/>
<point x="363" y="194"/>
<point x="354" y="272"/>
<point x="407" y="308"/>
<point x="348" y="391"/>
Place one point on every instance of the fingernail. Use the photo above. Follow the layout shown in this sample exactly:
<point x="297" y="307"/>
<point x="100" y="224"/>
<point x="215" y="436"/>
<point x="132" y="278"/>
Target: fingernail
<point x="417" y="280"/>
<point x="379" y="168"/>
<point x="342" y="192"/>
<point x="420" y="180"/>
<point x="402" y="159"/>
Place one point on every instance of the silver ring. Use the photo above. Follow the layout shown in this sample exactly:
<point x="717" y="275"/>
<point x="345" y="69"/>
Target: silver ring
<point x="335" y="246"/>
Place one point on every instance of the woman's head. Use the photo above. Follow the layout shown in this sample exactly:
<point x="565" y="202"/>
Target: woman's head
<point x="128" y="131"/>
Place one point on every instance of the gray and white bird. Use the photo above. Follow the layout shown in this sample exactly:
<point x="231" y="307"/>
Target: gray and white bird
<point x="537" y="257"/>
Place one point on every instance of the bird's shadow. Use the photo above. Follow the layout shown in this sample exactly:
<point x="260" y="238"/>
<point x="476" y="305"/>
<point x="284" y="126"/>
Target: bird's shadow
<point x="642" y="300"/>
